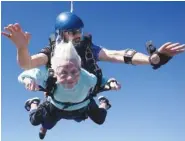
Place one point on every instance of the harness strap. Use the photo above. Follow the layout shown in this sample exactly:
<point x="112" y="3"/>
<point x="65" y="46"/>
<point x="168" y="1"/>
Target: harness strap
<point x="66" y="104"/>
<point x="91" y="65"/>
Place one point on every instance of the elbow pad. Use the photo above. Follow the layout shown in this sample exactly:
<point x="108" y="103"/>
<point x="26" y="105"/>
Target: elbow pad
<point x="129" y="53"/>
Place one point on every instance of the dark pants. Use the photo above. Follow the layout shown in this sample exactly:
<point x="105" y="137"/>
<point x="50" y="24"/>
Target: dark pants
<point x="48" y="115"/>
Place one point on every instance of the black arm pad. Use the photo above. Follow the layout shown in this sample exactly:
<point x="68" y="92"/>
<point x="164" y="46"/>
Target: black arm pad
<point x="129" y="53"/>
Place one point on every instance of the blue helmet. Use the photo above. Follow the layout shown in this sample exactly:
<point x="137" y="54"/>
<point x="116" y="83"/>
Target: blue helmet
<point x="68" y="21"/>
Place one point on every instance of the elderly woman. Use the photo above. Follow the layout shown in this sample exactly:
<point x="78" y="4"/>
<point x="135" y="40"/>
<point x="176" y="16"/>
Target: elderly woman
<point x="70" y="99"/>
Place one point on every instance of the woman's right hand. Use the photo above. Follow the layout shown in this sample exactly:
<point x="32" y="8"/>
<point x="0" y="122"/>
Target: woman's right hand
<point x="17" y="35"/>
<point x="30" y="84"/>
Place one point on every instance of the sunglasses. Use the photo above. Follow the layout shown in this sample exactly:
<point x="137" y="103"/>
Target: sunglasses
<point x="74" y="31"/>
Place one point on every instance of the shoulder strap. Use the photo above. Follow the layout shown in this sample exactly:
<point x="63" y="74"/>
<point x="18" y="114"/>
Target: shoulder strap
<point x="91" y="63"/>
<point x="50" y="83"/>
<point x="52" y="41"/>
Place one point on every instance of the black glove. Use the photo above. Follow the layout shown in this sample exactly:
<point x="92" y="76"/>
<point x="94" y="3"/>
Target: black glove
<point x="151" y="49"/>
<point x="163" y="60"/>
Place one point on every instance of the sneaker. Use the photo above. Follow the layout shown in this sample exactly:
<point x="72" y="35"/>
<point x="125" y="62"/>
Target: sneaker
<point x="42" y="133"/>
<point x="28" y="103"/>
<point x="103" y="99"/>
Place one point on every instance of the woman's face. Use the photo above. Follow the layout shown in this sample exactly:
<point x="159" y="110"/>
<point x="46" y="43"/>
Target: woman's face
<point x="68" y="74"/>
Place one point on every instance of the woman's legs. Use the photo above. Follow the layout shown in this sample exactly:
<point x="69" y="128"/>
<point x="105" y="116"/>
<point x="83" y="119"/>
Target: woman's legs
<point x="98" y="113"/>
<point x="46" y="114"/>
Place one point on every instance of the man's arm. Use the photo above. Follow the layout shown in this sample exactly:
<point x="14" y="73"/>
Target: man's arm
<point x="21" y="40"/>
<point x="158" y="58"/>
<point x="117" y="56"/>
<point x="28" y="62"/>
<point x="104" y="54"/>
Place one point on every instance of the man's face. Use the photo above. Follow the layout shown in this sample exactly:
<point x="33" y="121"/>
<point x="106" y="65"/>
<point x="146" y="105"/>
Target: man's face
<point x="74" y="35"/>
<point x="68" y="74"/>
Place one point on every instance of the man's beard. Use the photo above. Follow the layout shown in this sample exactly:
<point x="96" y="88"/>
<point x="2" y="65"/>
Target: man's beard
<point x="76" y="41"/>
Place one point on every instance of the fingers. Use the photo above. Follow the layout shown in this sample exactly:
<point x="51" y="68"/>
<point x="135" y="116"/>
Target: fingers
<point x="118" y="86"/>
<point x="32" y="86"/>
<point x="177" y="52"/>
<point x="114" y="85"/>
<point x="107" y="87"/>
<point x="179" y="47"/>
<point x="164" y="46"/>
<point x="172" y="45"/>
<point x="36" y="87"/>
<point x="28" y="36"/>
<point x="181" y="50"/>
<point x="16" y="35"/>
<point x="11" y="29"/>
<point x="17" y="26"/>
<point x="172" y="49"/>
<point x="111" y="79"/>
<point x="27" y="86"/>
<point x="6" y="34"/>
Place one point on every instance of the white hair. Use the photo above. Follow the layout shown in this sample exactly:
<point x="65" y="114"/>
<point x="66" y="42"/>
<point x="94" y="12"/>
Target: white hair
<point x="65" y="52"/>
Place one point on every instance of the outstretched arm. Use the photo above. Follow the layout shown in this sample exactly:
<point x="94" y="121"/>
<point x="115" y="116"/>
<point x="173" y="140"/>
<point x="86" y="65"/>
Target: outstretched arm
<point x="117" y="56"/>
<point x="21" y="40"/>
<point x="169" y="49"/>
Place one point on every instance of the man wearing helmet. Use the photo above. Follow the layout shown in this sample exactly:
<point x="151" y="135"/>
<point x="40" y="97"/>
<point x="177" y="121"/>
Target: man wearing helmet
<point x="68" y="27"/>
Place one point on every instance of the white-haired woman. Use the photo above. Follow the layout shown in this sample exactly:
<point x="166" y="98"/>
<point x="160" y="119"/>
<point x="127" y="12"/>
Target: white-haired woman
<point x="73" y="85"/>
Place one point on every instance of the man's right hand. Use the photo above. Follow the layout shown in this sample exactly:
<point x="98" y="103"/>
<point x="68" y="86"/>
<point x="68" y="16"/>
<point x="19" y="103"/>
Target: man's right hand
<point x="17" y="36"/>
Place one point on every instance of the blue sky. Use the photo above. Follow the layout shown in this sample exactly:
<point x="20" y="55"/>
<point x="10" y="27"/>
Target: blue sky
<point x="149" y="107"/>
